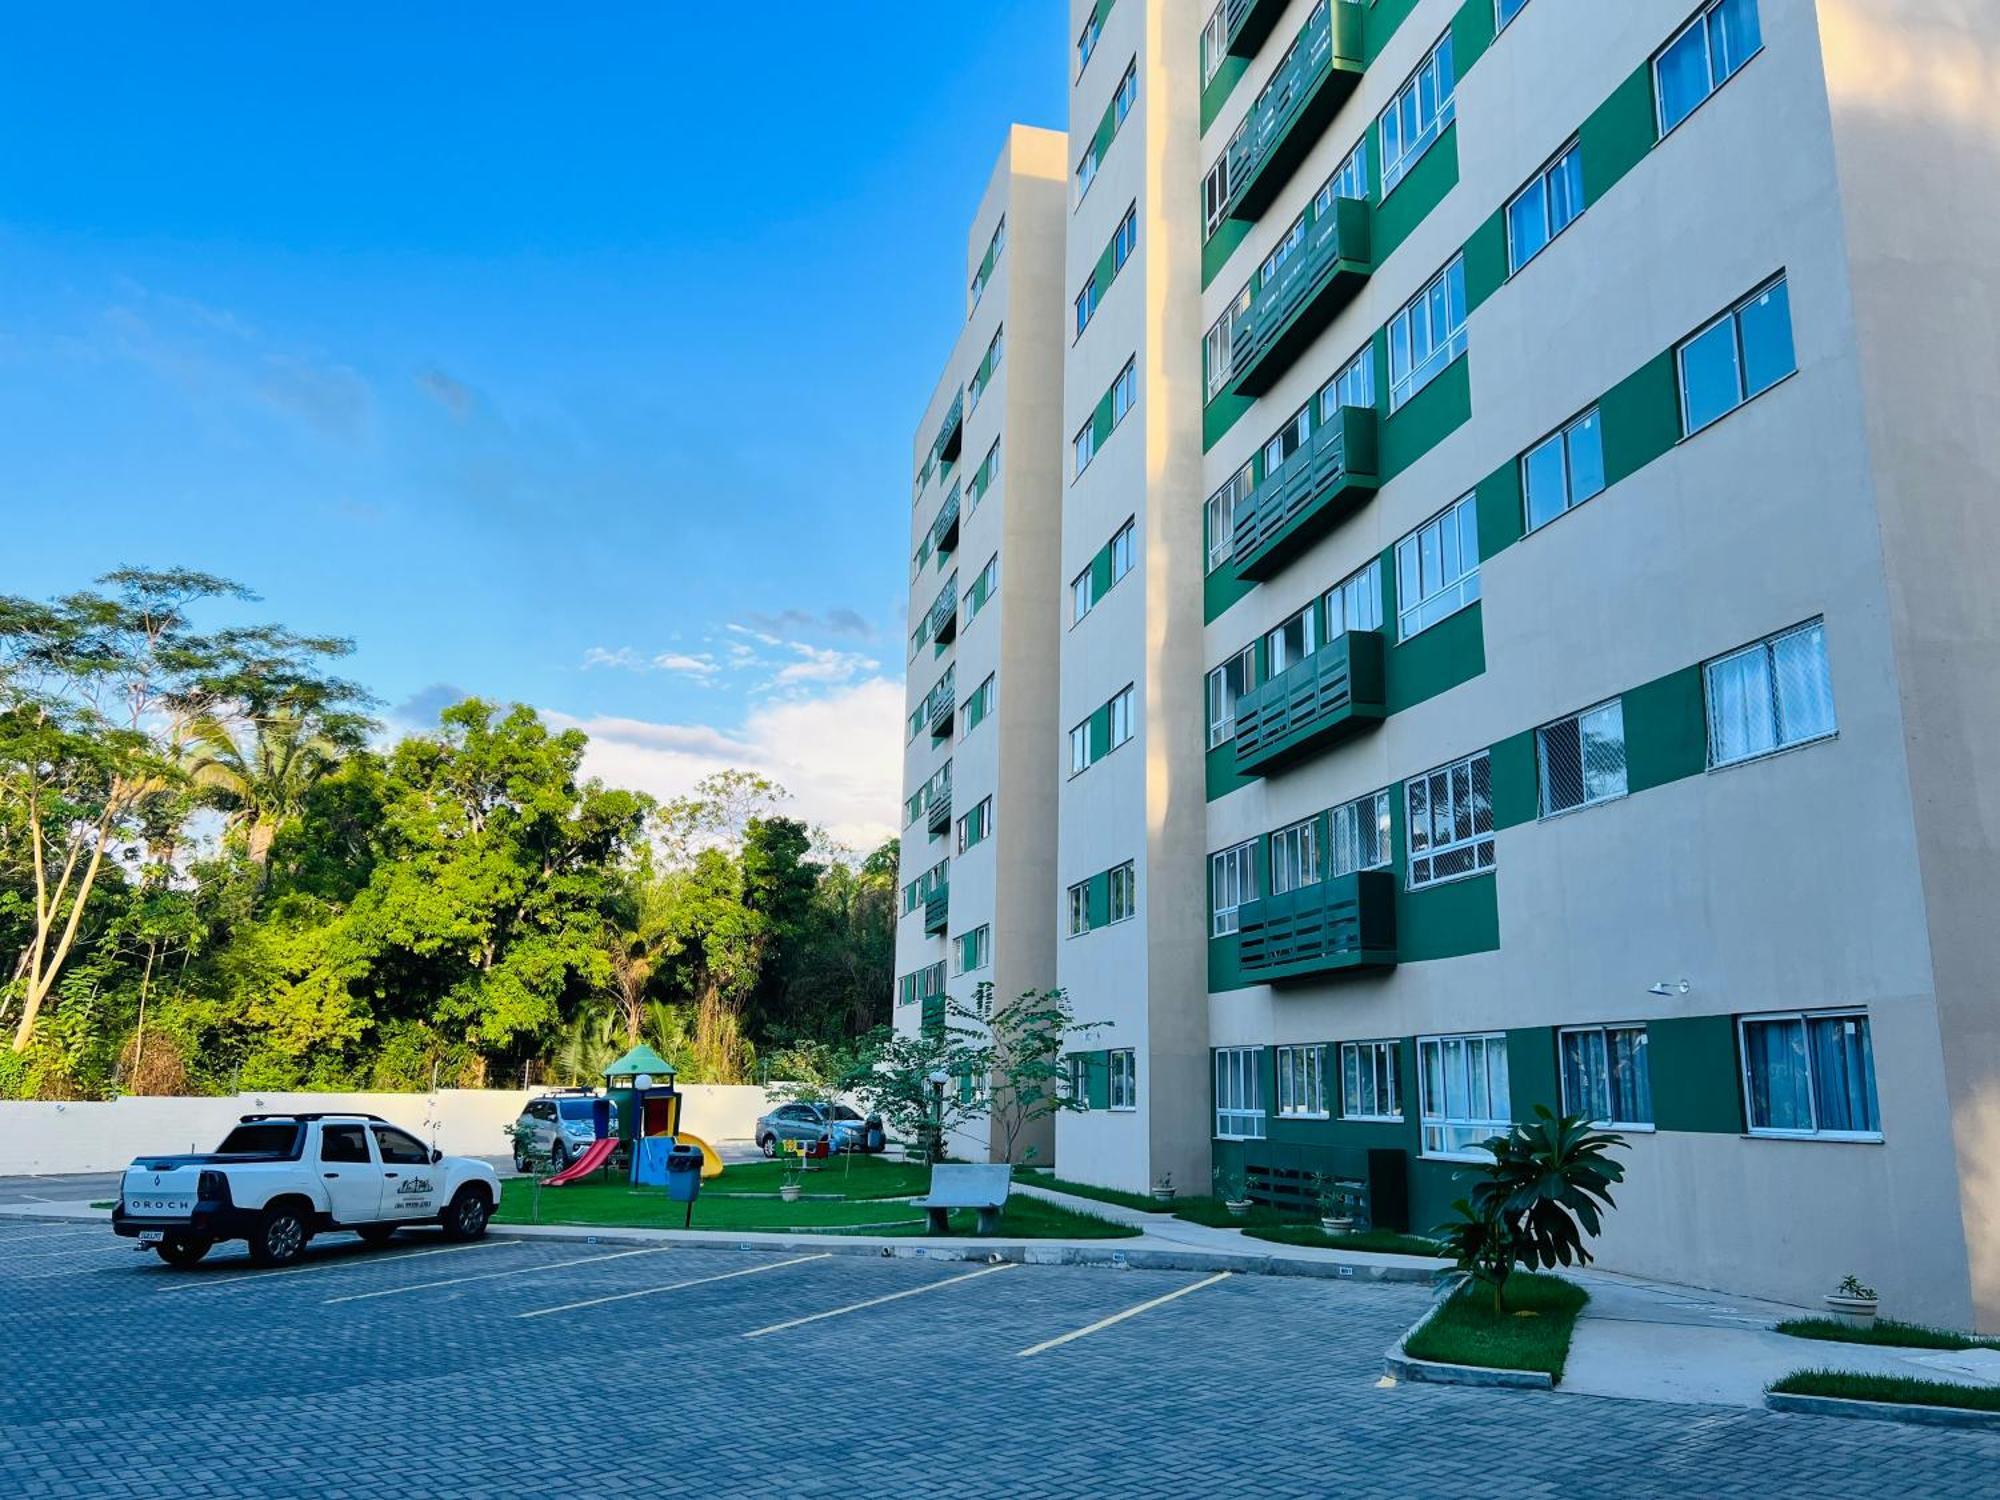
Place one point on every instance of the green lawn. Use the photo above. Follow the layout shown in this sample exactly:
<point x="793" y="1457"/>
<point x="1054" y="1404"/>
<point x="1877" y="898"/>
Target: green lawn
<point x="1141" y="1201"/>
<point x="1211" y="1212"/>
<point x="1374" y="1241"/>
<point x="847" y="1176"/>
<point x="1884" y="1331"/>
<point x="1898" y="1388"/>
<point x="1033" y="1219"/>
<point x="1532" y="1334"/>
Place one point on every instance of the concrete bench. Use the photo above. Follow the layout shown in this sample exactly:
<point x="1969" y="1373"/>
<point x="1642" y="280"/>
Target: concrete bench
<point x="982" y="1186"/>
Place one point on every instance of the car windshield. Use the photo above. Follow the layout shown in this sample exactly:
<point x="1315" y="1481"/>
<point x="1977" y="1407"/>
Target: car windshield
<point x="575" y="1109"/>
<point x="264" y="1138"/>
<point x="842" y="1112"/>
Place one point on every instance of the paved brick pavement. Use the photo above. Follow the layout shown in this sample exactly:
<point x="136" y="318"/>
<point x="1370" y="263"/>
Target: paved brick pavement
<point x="122" y="1378"/>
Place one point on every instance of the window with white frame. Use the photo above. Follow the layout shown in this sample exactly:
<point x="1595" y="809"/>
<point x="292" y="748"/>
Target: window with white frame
<point x="1506" y="10"/>
<point x="1287" y="440"/>
<point x="1215" y="192"/>
<point x="1082" y="594"/>
<point x="1079" y="908"/>
<point x="993" y="248"/>
<point x="1125" y="240"/>
<point x="1769" y="696"/>
<point x="1358" y="835"/>
<point x="1287" y="246"/>
<point x="976" y="827"/>
<point x="1226" y="686"/>
<point x="988" y="367"/>
<point x="1370" y="1088"/>
<point x="1079" y="1079"/>
<point x="1086" y="304"/>
<point x="975" y="949"/>
<point x="1121" y="550"/>
<point x="1355" y="603"/>
<point x="1123" y="902"/>
<point x="1428" y="334"/>
<point x="1581" y="759"/>
<point x="1295" y="856"/>
<point x="1218" y="348"/>
<point x="1232" y="880"/>
<point x="1349" y="180"/>
<point x="978" y="707"/>
<point x="1450" y="821"/>
<point x="984" y="587"/>
<point x="1214" y="43"/>
<point x="1086" y="42"/>
<point x="1741" y="354"/>
<point x="1086" y="171"/>
<point x="1702" y="57"/>
<point x="1810" y="1073"/>
<point x="1121" y="720"/>
<point x="1606" y="1075"/>
<point x="1418" y="114"/>
<point x="1292" y="640"/>
<point x="1083" y="448"/>
<point x="1124" y="1078"/>
<point x="1437" y="568"/>
<point x="1353" y="386"/>
<point x="1127" y="95"/>
<point x="1079" y="749"/>
<point x="1545" y="207"/>
<point x="1563" y="470"/>
<point x="1239" y="1094"/>
<point x="1124" y="391"/>
<point x="1302" y="1082"/>
<point x="1220" y="517"/>
<point x="1462" y="1088"/>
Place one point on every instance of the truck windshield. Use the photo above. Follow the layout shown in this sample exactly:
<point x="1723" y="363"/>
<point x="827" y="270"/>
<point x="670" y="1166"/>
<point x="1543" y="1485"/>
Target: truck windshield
<point x="263" y="1138"/>
<point x="574" y="1109"/>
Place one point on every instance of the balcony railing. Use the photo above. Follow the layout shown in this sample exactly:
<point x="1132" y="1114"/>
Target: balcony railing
<point x="938" y="706"/>
<point x="943" y="538"/>
<point x="943" y="615"/>
<point x="939" y="821"/>
<point x="1346" y="922"/>
<point x="937" y="910"/>
<point x="1296" y="106"/>
<point x="1334" y="694"/>
<point x="1316" y="281"/>
<point x="1249" y="22"/>
<point x="1332" y="473"/>
<point x="951" y="433"/>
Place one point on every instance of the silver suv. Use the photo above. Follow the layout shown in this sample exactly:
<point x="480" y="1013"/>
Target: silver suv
<point x="564" y="1123"/>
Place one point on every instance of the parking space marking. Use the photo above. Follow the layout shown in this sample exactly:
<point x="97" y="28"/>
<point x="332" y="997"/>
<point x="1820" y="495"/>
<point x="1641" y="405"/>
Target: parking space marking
<point x="328" y="1263"/>
<point x="915" y="1291"/>
<point x="653" y="1291"/>
<point x="547" y="1265"/>
<point x="1118" y="1317"/>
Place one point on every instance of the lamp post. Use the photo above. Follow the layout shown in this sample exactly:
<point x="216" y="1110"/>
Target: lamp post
<point x="938" y="1079"/>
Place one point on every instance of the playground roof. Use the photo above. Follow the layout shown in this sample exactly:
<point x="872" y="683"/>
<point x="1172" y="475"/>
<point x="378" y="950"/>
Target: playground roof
<point x="641" y="1059"/>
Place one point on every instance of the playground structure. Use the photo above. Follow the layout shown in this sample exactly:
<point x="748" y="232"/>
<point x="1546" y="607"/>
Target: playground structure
<point x="641" y="1116"/>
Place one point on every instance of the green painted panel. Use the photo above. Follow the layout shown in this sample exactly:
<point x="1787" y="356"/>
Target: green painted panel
<point x="1423" y="188"/>
<point x="1515" y="798"/>
<point x="1666" y="730"/>
<point x="1100" y="423"/>
<point x="1225" y="972"/>
<point x="1426" y="419"/>
<point x="1220" y="415"/>
<point x="1385" y="17"/>
<point x="1696" y="1083"/>
<point x="1218" y="89"/>
<point x="1100" y="733"/>
<point x="1448" y="921"/>
<point x="1100" y="574"/>
<point x="1220" y="590"/>
<point x="1221" y="774"/>
<point x="1501" y="510"/>
<point x="1618" y="134"/>
<point x="1642" y="418"/>
<point x="1218" y="247"/>
<point x="1472" y="32"/>
<point x="1435" y="660"/>
<point x="1097" y="1078"/>
<point x="1097" y="898"/>
<point x="1486" y="259"/>
<point x="1531" y="1072"/>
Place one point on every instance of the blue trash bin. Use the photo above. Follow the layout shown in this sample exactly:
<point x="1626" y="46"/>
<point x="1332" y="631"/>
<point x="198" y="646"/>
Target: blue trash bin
<point x="684" y="1177"/>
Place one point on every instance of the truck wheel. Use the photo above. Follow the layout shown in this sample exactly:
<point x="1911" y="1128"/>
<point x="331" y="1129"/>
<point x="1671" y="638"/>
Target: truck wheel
<point x="183" y="1250"/>
<point x="375" y="1236"/>
<point x="558" y="1157"/>
<point x="465" y="1217"/>
<point x="279" y="1237"/>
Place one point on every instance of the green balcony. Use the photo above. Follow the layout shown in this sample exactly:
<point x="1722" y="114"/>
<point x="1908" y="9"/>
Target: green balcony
<point x="937" y="911"/>
<point x="1297" y="105"/>
<point x="1333" y="473"/>
<point x="951" y="433"/>
<point x="1317" y="280"/>
<point x="943" y="540"/>
<point x="1249" y="23"/>
<point x="1342" y="924"/>
<point x="943" y="616"/>
<point x="939" y="705"/>
<point x="938" y="824"/>
<point x="1333" y="695"/>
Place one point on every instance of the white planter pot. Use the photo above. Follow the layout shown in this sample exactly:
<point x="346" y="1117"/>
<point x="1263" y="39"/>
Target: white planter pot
<point x="1854" y="1312"/>
<point x="1237" y="1207"/>
<point x="1335" y="1225"/>
<point x="1163" y="1195"/>
<point x="789" y="1192"/>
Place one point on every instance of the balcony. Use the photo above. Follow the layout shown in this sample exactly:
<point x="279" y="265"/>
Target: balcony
<point x="939" y="703"/>
<point x="938" y="824"/>
<point x="943" y="615"/>
<point x="943" y="539"/>
<point x="1249" y="23"/>
<point x="1297" y="105"/>
<point x="1333" y="695"/>
<point x="951" y="435"/>
<point x="1318" y="279"/>
<point x="937" y="911"/>
<point x="1344" y="923"/>
<point x="1299" y="501"/>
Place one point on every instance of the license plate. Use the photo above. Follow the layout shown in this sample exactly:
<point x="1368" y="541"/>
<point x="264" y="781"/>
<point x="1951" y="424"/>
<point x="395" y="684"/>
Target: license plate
<point x="152" y="1236"/>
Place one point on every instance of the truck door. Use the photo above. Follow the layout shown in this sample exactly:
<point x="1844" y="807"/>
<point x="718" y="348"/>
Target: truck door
<point x="410" y="1184"/>
<point x="348" y="1173"/>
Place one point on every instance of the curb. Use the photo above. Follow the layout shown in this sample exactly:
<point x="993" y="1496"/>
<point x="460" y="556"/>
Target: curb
<point x="1882" y="1411"/>
<point x="1402" y="1365"/>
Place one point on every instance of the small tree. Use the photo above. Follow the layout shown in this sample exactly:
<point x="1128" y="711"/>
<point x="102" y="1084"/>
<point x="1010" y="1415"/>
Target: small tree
<point x="528" y="1152"/>
<point x="1027" y="1071"/>
<point x="894" y="1072"/>
<point x="1535" y="1202"/>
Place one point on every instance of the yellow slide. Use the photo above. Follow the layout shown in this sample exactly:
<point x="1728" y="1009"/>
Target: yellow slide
<point x="711" y="1164"/>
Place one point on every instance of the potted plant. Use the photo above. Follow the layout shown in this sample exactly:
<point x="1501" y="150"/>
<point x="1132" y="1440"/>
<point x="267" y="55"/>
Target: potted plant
<point x="1235" y="1194"/>
<point x="795" y="1165"/>
<point x="1163" y="1190"/>
<point x="1852" y="1303"/>
<point x="1336" y="1203"/>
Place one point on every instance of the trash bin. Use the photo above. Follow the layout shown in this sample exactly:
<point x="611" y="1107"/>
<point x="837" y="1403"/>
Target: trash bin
<point x="683" y="1174"/>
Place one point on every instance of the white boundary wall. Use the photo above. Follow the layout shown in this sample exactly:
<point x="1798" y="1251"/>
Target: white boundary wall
<point x="42" y="1138"/>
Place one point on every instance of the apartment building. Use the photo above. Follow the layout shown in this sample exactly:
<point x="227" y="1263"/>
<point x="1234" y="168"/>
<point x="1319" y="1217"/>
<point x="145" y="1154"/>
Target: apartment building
<point x="1551" y="661"/>
<point x="978" y="845"/>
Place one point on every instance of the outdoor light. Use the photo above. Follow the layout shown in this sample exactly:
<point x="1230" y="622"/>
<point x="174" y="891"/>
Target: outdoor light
<point x="643" y="1081"/>
<point x="1663" y="987"/>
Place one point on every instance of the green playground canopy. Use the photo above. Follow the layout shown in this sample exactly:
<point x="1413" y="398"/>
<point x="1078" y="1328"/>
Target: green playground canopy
<point x="641" y="1059"/>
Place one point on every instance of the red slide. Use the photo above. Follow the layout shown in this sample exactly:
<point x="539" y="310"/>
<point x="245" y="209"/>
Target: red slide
<point x="599" y="1153"/>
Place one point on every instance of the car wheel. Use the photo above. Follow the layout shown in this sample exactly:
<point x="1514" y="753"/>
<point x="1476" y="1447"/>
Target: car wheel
<point x="768" y="1144"/>
<point x="375" y="1236"/>
<point x="466" y="1215"/>
<point x="279" y="1237"/>
<point x="183" y="1250"/>
<point x="520" y="1163"/>
<point x="558" y="1157"/>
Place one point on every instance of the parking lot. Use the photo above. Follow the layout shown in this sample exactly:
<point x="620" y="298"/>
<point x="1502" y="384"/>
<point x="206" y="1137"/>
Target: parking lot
<point x="517" y="1366"/>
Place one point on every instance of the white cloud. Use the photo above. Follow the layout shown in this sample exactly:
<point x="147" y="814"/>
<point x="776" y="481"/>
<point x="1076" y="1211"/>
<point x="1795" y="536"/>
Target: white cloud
<point x="680" y="663"/>
<point x="822" y="664"/>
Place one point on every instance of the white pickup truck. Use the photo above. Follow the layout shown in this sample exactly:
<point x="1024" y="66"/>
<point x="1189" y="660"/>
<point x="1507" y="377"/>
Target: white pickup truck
<point x="277" y="1180"/>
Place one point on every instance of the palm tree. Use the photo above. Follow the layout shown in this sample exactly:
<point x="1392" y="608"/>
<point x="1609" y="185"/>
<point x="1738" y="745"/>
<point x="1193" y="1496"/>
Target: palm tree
<point x="261" y="779"/>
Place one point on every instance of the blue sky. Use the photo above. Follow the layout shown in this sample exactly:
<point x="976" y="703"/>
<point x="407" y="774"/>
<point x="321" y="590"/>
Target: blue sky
<point x="567" y="355"/>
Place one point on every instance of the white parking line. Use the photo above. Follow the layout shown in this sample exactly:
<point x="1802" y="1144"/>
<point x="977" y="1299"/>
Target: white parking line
<point x="324" y="1263"/>
<point x="1119" y="1317"/>
<point x="653" y="1291"/>
<point x="547" y="1265"/>
<point x="915" y="1291"/>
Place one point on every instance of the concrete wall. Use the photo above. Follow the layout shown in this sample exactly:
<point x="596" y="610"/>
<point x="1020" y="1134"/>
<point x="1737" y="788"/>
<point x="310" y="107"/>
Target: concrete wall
<point x="42" y="1138"/>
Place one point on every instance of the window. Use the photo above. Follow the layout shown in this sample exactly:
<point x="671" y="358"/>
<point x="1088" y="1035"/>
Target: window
<point x="1353" y="386"/>
<point x="1349" y="180"/>
<point x="1428" y="334"/>
<point x="1086" y="171"/>
<point x="1287" y="440"/>
<point x="1079" y="1079"/>
<point x="985" y="271"/>
<point x="1355" y="603"/>
<point x="1437" y="568"/>
<point x="1124" y="899"/>
<point x="1287" y="245"/>
<point x="1220" y="518"/>
<point x="1226" y="685"/>
<point x="1239" y="1094"/>
<point x="1769" y="696"/>
<point x="978" y="708"/>
<point x="1126" y="240"/>
<point x="1082" y="594"/>
<point x="1124" y="391"/>
<point x="988" y="367"/>
<point x="1079" y="749"/>
<point x="1811" y="1073"/>
<point x="1083" y="447"/>
<point x="1218" y="348"/>
<point x="1582" y="758"/>
<point x="1605" y="1075"/>
<point x="1232" y="880"/>
<point x="1292" y="641"/>
<point x="1564" y="469"/>
<point x="1418" y="114"/>
<point x="1302" y="1082"/>
<point x="975" y="949"/>
<point x="976" y="827"/>
<point x="1358" y="835"/>
<point x="984" y="587"/>
<point x="1079" y="909"/>
<point x="343" y="1143"/>
<point x="1462" y="1081"/>
<point x="1545" y="207"/>
<point x="1451" y="821"/>
<point x="399" y="1148"/>
<point x="1086" y="43"/>
<point x="982" y="479"/>
<point x="1124" y="1078"/>
<point x="1121" y="551"/>
<point x="1121" y="720"/>
<point x="1215" y="191"/>
<point x="1214" y="43"/>
<point x="1127" y="95"/>
<point x="1295" y="856"/>
<point x="1369" y="1086"/>
<point x="1741" y="354"/>
<point x="1702" y="57"/>
<point x="1506" y="11"/>
<point x="1086" y="304"/>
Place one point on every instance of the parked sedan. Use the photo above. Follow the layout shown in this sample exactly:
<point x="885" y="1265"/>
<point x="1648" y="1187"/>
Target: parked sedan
<point x="843" y="1128"/>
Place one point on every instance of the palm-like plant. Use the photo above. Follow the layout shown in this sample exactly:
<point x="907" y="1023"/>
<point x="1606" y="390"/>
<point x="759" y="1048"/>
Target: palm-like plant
<point x="259" y="770"/>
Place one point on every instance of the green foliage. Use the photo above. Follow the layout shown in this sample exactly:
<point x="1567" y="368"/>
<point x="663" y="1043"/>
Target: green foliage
<point x="1847" y="1385"/>
<point x="1533" y="1335"/>
<point x="1886" y="1331"/>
